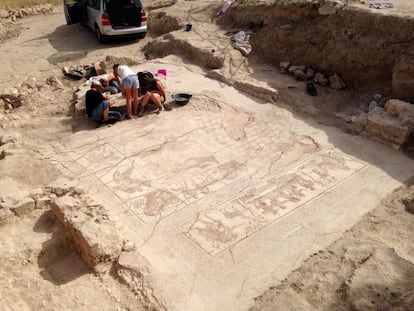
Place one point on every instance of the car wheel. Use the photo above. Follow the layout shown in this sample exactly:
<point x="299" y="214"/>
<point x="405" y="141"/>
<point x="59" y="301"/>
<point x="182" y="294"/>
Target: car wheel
<point x="67" y="17"/>
<point x="99" y="35"/>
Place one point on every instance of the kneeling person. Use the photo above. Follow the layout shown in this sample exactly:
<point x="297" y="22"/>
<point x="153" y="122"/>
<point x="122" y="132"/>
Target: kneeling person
<point x="97" y="106"/>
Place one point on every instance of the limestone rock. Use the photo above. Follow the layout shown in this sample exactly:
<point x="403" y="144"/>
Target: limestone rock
<point x="9" y="138"/>
<point x="299" y="75"/>
<point x="128" y="246"/>
<point x="310" y="73"/>
<point x="54" y="81"/>
<point x="320" y="79"/>
<point x="12" y="97"/>
<point x="399" y="108"/>
<point x="24" y="206"/>
<point x="93" y="234"/>
<point x="292" y="69"/>
<point x="332" y="6"/>
<point x="403" y="77"/>
<point x="5" y="213"/>
<point x="20" y="203"/>
<point x="43" y="202"/>
<point x="336" y="83"/>
<point x="283" y="67"/>
<point x="387" y="127"/>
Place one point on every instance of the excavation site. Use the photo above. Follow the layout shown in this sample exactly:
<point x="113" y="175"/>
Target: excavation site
<point x="273" y="169"/>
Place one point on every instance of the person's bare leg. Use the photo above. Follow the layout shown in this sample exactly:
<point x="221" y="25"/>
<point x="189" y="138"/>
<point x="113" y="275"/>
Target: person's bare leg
<point x="156" y="99"/>
<point x="135" y="98"/>
<point x="146" y="99"/>
<point x="128" y="102"/>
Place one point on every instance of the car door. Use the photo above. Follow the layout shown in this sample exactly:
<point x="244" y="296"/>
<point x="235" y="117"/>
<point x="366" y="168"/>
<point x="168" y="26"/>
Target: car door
<point x="93" y="10"/>
<point x="74" y="11"/>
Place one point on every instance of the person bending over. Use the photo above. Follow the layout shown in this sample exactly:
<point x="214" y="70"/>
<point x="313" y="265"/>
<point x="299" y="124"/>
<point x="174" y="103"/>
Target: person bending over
<point x="153" y="91"/>
<point x="128" y="83"/>
<point x="97" y="106"/>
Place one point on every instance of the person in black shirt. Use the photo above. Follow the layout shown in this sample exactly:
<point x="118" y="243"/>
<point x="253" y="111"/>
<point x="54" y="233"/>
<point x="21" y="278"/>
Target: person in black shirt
<point x="97" y="106"/>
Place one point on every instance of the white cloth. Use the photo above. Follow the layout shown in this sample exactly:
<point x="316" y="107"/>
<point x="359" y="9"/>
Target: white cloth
<point x="124" y="71"/>
<point x="241" y="43"/>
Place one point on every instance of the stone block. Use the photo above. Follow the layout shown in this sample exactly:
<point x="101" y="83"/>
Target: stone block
<point x="320" y="79"/>
<point x="5" y="213"/>
<point x="399" y="108"/>
<point x="292" y="69"/>
<point x="43" y="202"/>
<point x="387" y="127"/>
<point x="23" y="207"/>
<point x="88" y="226"/>
<point x="336" y="83"/>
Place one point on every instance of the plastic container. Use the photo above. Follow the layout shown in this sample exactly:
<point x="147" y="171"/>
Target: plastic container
<point x="162" y="74"/>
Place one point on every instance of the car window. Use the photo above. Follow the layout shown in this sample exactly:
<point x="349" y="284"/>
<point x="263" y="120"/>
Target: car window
<point x="123" y="3"/>
<point x="94" y="4"/>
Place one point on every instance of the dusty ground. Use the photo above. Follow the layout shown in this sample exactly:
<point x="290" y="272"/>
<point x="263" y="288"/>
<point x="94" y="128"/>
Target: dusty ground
<point x="42" y="272"/>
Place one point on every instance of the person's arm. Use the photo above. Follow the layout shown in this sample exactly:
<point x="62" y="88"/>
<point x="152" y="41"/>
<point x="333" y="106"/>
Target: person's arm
<point x="161" y="89"/>
<point x="118" y="80"/>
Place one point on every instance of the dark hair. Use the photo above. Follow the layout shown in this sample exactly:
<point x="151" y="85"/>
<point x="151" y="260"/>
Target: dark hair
<point x="115" y="66"/>
<point x="103" y="82"/>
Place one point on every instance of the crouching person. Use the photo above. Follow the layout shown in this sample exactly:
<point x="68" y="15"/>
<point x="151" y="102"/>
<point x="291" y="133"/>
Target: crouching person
<point x="98" y="107"/>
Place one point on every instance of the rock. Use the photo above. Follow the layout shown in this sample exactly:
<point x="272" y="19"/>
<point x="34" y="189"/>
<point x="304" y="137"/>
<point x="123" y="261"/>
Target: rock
<point x="360" y="119"/>
<point x="403" y="77"/>
<point x="336" y="83"/>
<point x="283" y="67"/>
<point x="30" y="83"/>
<point x="12" y="97"/>
<point x="292" y="69"/>
<point x="331" y="7"/>
<point x="20" y="203"/>
<point x="24" y="206"/>
<point x="36" y="193"/>
<point x="399" y="108"/>
<point x="128" y="246"/>
<point x="54" y="81"/>
<point x="299" y="75"/>
<point x="387" y="127"/>
<point x="5" y="213"/>
<point x="8" y="138"/>
<point x="42" y="202"/>
<point x="320" y="79"/>
<point x="310" y="73"/>
<point x="88" y="226"/>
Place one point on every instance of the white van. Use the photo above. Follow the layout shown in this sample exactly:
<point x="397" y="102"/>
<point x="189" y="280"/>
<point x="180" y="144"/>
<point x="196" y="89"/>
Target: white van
<point x="108" y="18"/>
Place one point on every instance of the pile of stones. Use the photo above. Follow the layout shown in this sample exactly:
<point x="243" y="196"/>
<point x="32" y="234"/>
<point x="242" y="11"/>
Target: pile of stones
<point x="303" y="73"/>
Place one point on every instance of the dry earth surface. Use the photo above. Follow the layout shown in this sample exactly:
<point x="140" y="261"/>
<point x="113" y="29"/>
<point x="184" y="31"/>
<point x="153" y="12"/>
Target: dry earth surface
<point x="371" y="267"/>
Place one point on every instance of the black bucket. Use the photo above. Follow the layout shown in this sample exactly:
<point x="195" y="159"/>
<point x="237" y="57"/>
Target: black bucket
<point x="182" y="99"/>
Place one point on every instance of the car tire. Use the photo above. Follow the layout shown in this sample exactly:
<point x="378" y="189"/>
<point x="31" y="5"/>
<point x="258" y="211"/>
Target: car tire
<point x="67" y="17"/>
<point x="99" y="35"/>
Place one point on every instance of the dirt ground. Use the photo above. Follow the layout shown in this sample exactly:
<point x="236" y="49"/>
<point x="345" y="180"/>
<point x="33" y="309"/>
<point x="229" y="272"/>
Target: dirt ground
<point x="370" y="268"/>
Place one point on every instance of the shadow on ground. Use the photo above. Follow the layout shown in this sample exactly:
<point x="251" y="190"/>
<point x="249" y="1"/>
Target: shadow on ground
<point x="58" y="261"/>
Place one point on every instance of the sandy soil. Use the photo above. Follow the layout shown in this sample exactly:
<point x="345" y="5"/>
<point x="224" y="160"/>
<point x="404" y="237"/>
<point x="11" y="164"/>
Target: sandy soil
<point x="41" y="272"/>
